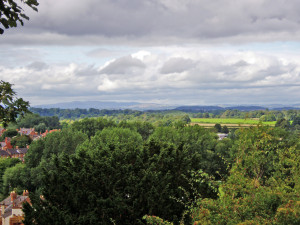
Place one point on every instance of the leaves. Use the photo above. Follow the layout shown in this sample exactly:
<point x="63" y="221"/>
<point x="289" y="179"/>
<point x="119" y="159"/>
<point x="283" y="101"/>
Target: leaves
<point x="11" y="13"/>
<point x="263" y="186"/>
<point x="11" y="107"/>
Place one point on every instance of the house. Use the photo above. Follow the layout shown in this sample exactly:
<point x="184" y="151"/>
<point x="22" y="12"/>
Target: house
<point x="6" y="143"/>
<point x="14" y="152"/>
<point x="17" y="152"/>
<point x="11" y="208"/>
<point x="48" y="132"/>
<point x="29" y="132"/>
<point x="4" y="154"/>
<point x="222" y="136"/>
<point x="26" y="131"/>
<point x="2" y="130"/>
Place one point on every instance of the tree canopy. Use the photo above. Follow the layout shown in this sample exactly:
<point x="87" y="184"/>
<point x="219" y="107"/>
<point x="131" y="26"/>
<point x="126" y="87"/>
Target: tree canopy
<point x="262" y="186"/>
<point x="10" y="105"/>
<point x="105" y="171"/>
<point x="118" y="174"/>
<point x="11" y="13"/>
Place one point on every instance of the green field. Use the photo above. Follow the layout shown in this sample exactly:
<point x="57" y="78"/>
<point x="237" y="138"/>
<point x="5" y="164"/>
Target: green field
<point x="230" y="121"/>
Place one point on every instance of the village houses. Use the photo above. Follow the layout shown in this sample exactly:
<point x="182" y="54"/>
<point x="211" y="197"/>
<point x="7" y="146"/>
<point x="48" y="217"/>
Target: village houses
<point x="8" y="151"/>
<point x="11" y="208"/>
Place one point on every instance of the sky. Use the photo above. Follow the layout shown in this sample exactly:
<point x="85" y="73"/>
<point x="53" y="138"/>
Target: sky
<point x="174" y="52"/>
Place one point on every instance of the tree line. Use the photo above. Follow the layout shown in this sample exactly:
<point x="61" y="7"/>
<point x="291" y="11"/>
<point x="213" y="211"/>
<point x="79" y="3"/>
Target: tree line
<point x="262" y="115"/>
<point x="99" y="171"/>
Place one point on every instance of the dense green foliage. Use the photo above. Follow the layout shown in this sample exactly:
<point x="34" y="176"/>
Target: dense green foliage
<point x="230" y="121"/>
<point x="283" y="123"/>
<point x="21" y="141"/>
<point x="40" y="123"/>
<point x="263" y="185"/>
<point x="11" y="12"/>
<point x="9" y="133"/>
<point x="296" y="121"/>
<point x="16" y="177"/>
<point x="107" y="171"/>
<point x="10" y="106"/>
<point x="262" y="115"/>
<point x="82" y="113"/>
<point x="28" y="176"/>
<point x="4" y="165"/>
<point x="123" y="172"/>
<point x="91" y="126"/>
<point x="64" y="141"/>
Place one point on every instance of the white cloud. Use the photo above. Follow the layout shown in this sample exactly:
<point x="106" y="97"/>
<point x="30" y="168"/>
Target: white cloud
<point x="108" y="85"/>
<point x="125" y="65"/>
<point x="215" y="77"/>
<point x="141" y="55"/>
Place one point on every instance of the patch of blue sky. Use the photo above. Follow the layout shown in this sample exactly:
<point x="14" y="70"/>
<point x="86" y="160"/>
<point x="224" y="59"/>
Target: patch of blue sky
<point x="96" y="55"/>
<point x="269" y="47"/>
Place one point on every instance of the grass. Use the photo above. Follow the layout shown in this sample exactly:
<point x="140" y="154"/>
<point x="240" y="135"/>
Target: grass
<point x="230" y="121"/>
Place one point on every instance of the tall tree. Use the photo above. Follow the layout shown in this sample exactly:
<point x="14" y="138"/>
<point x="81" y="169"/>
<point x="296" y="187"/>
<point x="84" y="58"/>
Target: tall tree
<point x="11" y="13"/>
<point x="90" y="126"/>
<point x="21" y="141"/>
<point x="4" y="164"/>
<point x="116" y="177"/>
<point x="263" y="186"/>
<point x="10" y="105"/>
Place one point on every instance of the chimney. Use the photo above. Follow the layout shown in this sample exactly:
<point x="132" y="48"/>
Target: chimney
<point x="2" y="209"/>
<point x="13" y="197"/>
<point x="7" y="142"/>
<point x="25" y="193"/>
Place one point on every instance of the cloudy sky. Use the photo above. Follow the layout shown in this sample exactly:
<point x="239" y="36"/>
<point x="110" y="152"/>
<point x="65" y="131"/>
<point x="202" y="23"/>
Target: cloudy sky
<point x="192" y="52"/>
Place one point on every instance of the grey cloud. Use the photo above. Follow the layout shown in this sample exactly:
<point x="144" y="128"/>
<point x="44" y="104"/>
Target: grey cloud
<point x="108" y="18"/>
<point x="124" y="65"/>
<point x="177" y="65"/>
<point x="165" y="21"/>
<point x="84" y="71"/>
<point x="273" y="70"/>
<point x="103" y="52"/>
<point x="37" y="65"/>
<point x="12" y="56"/>
<point x="240" y="63"/>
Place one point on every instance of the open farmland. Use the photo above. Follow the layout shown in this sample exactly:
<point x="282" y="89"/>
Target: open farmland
<point x="229" y="122"/>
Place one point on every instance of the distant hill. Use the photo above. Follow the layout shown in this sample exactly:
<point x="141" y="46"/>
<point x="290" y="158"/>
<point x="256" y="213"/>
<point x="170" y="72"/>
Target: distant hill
<point x="246" y="108"/>
<point x="105" y="105"/>
<point x="214" y="108"/>
<point x="198" y="108"/>
<point x="87" y="105"/>
<point x="285" y="108"/>
<point x="240" y="108"/>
